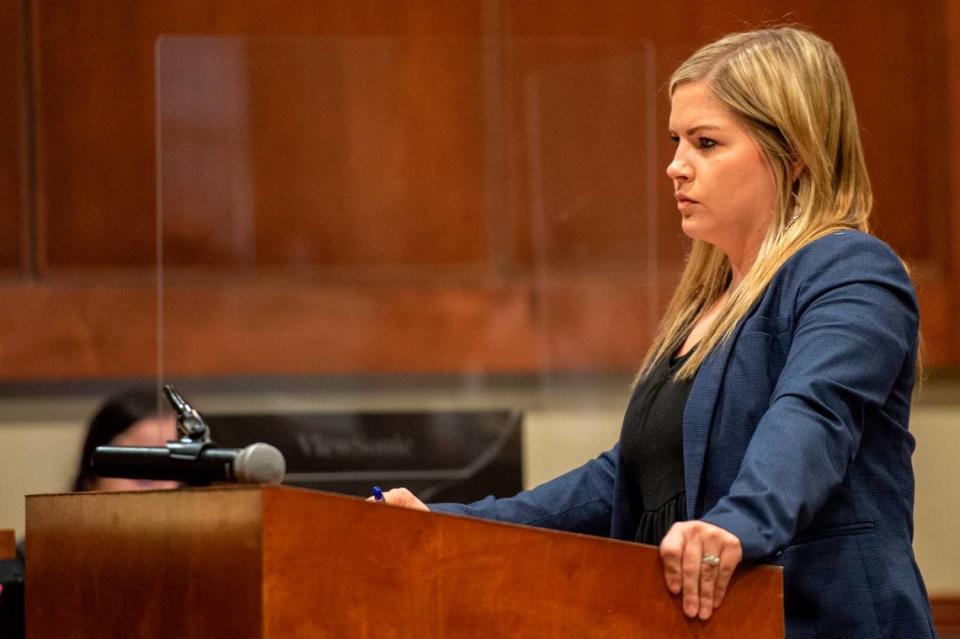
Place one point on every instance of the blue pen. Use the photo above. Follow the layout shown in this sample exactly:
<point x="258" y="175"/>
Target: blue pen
<point x="377" y="495"/>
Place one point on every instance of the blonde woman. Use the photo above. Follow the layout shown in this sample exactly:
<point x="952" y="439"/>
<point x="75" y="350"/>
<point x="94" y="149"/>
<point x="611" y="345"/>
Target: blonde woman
<point x="769" y="422"/>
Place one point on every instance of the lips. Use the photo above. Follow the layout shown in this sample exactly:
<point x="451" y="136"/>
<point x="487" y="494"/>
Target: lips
<point x="684" y="202"/>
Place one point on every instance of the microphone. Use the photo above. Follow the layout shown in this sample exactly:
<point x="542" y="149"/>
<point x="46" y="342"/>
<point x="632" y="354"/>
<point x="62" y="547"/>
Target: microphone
<point x="256" y="464"/>
<point x="193" y="459"/>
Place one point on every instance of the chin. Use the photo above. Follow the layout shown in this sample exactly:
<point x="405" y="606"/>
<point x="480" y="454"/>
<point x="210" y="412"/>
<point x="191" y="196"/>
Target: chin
<point x="696" y="231"/>
<point x="691" y="229"/>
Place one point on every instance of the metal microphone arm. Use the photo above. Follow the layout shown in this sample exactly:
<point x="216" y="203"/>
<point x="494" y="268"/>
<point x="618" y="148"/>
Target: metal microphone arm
<point x="189" y="423"/>
<point x="194" y="432"/>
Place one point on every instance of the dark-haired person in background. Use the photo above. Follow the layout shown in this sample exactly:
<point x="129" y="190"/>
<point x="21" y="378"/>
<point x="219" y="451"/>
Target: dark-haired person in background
<point x="127" y="418"/>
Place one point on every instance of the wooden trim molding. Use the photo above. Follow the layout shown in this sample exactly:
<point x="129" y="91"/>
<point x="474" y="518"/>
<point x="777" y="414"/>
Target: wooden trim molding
<point x="946" y="615"/>
<point x="579" y="323"/>
<point x="99" y="330"/>
<point x="8" y="544"/>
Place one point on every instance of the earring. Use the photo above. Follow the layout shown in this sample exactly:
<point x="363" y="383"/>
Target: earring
<point x="796" y="214"/>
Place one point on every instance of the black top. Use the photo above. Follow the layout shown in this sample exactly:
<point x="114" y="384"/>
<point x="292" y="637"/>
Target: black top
<point x="651" y="445"/>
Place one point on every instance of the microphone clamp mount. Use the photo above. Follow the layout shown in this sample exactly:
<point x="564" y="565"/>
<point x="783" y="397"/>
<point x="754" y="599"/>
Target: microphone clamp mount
<point x="194" y="432"/>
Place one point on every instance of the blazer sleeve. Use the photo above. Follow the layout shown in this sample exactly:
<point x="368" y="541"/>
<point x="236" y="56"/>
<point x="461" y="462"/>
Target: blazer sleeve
<point x="855" y="332"/>
<point x="577" y="501"/>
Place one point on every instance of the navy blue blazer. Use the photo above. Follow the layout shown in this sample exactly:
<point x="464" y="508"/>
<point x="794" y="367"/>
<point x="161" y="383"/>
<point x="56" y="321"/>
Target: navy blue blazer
<point x="796" y="440"/>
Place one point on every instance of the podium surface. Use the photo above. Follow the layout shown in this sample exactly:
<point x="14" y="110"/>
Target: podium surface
<point x="272" y="562"/>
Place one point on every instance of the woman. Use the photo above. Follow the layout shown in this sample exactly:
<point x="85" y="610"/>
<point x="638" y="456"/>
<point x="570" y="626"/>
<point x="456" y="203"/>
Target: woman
<point x="128" y="418"/>
<point x="769" y="420"/>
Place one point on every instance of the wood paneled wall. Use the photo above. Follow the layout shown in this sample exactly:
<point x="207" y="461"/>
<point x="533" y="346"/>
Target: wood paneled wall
<point x="13" y="212"/>
<point x="411" y="186"/>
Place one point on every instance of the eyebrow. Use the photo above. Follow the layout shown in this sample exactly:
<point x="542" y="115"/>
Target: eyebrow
<point x="700" y="127"/>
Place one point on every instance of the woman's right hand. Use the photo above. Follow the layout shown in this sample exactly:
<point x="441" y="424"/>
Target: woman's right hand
<point x="403" y="498"/>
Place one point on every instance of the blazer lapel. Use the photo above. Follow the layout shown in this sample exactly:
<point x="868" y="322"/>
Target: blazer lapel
<point x="698" y="416"/>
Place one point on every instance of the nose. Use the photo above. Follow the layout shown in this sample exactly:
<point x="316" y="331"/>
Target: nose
<point x="678" y="170"/>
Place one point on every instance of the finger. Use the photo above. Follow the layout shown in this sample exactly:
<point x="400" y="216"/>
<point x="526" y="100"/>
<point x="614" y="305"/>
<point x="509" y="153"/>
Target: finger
<point x="729" y="560"/>
<point x="708" y="577"/>
<point x="690" y="565"/>
<point x="398" y="497"/>
<point x="403" y="498"/>
<point x="671" y="552"/>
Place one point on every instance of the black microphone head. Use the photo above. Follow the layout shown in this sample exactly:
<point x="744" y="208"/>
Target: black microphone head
<point x="259" y="464"/>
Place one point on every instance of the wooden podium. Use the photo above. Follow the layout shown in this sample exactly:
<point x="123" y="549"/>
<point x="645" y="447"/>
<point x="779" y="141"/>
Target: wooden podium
<point x="277" y="562"/>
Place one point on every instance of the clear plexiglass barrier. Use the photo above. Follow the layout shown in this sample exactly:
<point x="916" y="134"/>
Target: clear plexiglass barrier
<point x="409" y="260"/>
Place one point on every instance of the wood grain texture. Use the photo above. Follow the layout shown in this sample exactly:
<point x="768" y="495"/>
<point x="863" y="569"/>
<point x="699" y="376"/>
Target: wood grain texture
<point x="78" y="329"/>
<point x="399" y="573"/>
<point x="951" y="275"/>
<point x="513" y="147"/>
<point x="946" y="615"/>
<point x="96" y="145"/>
<point x="307" y="328"/>
<point x="8" y="544"/>
<point x="12" y="130"/>
<point x="437" y="99"/>
<point x="142" y="565"/>
<point x="360" y="152"/>
<point x="456" y="329"/>
<point x="278" y="562"/>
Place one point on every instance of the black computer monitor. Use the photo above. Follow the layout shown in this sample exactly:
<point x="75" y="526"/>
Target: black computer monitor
<point x="457" y="456"/>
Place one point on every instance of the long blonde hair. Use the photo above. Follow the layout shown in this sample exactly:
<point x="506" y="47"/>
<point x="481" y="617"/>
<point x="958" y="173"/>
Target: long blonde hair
<point x="787" y="87"/>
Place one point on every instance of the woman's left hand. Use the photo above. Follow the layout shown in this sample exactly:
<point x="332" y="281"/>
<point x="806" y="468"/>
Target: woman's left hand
<point x="690" y="552"/>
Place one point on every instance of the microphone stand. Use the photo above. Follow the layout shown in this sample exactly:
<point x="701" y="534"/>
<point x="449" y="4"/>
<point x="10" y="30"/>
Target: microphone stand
<point x="194" y="432"/>
<point x="193" y="458"/>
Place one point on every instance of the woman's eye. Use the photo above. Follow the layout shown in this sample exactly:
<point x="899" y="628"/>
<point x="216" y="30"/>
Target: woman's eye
<point x="675" y="138"/>
<point x="706" y="143"/>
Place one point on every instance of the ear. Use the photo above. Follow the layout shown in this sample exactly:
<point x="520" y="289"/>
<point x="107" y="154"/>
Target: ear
<point x="798" y="169"/>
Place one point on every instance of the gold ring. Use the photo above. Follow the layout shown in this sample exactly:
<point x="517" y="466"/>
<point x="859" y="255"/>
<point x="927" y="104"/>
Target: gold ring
<point x="711" y="560"/>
